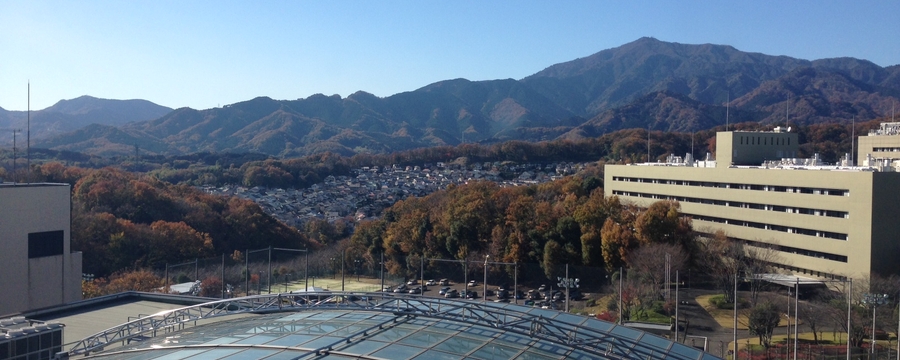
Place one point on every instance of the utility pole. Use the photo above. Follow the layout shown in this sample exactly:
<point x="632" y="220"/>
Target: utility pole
<point x="14" y="132"/>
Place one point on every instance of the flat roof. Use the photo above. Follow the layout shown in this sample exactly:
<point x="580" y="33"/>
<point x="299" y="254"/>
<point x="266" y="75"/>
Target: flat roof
<point x="14" y="184"/>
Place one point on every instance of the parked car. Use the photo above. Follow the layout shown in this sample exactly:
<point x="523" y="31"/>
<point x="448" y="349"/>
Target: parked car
<point x="444" y="290"/>
<point x="387" y="288"/>
<point x="452" y="293"/>
<point x="473" y="283"/>
<point x="471" y="294"/>
<point x="444" y="282"/>
<point x="415" y="290"/>
<point x="412" y="282"/>
<point x="542" y="288"/>
<point x="502" y="294"/>
<point x="401" y="288"/>
<point x="431" y="283"/>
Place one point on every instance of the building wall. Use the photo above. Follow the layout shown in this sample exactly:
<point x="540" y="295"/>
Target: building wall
<point x="825" y="222"/>
<point x="36" y="280"/>
<point x="753" y="148"/>
<point x="888" y="146"/>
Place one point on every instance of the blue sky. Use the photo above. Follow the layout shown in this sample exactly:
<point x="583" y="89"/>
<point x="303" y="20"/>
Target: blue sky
<point x="203" y="54"/>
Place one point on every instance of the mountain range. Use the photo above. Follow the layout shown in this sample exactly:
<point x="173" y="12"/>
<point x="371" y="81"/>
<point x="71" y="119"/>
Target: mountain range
<point x="643" y="84"/>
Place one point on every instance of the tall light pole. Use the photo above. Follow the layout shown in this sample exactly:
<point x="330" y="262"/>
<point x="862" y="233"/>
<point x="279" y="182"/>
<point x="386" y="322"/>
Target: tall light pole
<point x="874" y="300"/>
<point x="796" y="315"/>
<point x="484" y="291"/>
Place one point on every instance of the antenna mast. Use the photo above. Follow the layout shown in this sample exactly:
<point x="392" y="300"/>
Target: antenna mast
<point x="787" y="111"/>
<point x="853" y="142"/>
<point x="28" y="137"/>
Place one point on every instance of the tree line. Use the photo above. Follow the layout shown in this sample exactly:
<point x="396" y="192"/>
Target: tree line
<point x="122" y="220"/>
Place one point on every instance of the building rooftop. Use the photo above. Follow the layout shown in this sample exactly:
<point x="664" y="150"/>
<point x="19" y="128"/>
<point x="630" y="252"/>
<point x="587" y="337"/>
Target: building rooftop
<point x="372" y="326"/>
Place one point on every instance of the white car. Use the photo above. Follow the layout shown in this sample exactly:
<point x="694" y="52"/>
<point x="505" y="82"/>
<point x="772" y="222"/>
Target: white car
<point x="431" y="283"/>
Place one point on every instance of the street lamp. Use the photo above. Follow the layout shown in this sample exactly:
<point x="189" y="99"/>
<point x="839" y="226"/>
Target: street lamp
<point x="567" y="283"/>
<point x="484" y="292"/>
<point x="874" y="300"/>
<point x="333" y="268"/>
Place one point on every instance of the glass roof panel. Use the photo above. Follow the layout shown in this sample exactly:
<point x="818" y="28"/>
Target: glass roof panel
<point x="424" y="339"/>
<point x="257" y="339"/>
<point x="626" y="332"/>
<point x="214" y="354"/>
<point x="656" y="342"/>
<point x="363" y="347"/>
<point x="531" y="354"/>
<point x="254" y="354"/>
<point x="391" y="334"/>
<point x="481" y="331"/>
<point x="599" y="325"/>
<point x="296" y="316"/>
<point x="322" y="342"/>
<point x="436" y="355"/>
<point x="285" y="355"/>
<point x="571" y="318"/>
<point x="222" y="340"/>
<point x="397" y="351"/>
<point x="515" y="339"/>
<point x="547" y="313"/>
<point x="579" y="354"/>
<point x="460" y="345"/>
<point x="180" y="354"/>
<point x="291" y="340"/>
<point x="551" y="348"/>
<point x="495" y="351"/>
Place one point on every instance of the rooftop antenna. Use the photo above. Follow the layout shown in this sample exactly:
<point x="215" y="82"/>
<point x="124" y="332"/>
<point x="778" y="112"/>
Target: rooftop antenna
<point x="28" y="142"/>
<point x="787" y="111"/>
<point x="727" y="102"/>
<point x="853" y="142"/>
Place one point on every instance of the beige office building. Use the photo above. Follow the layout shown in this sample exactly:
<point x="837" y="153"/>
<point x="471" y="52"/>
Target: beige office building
<point x="830" y="221"/>
<point x="39" y="268"/>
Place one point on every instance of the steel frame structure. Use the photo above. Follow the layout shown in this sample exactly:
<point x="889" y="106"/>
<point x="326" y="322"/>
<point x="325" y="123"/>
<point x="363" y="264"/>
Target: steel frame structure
<point x="603" y="343"/>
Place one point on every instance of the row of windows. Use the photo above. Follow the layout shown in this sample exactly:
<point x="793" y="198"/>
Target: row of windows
<point x="886" y="149"/>
<point x="796" y="251"/>
<point x="739" y="204"/>
<point x="757" y="225"/>
<point x="787" y="189"/>
<point x="763" y="140"/>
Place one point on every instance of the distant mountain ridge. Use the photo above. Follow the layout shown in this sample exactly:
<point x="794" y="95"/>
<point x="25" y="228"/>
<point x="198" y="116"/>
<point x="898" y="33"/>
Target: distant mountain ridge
<point x="69" y="115"/>
<point x="646" y="83"/>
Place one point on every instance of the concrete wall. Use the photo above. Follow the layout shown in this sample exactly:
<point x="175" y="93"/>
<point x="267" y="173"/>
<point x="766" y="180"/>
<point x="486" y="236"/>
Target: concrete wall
<point x="43" y="281"/>
<point x="752" y="148"/>
<point x="867" y="201"/>
<point x="890" y="145"/>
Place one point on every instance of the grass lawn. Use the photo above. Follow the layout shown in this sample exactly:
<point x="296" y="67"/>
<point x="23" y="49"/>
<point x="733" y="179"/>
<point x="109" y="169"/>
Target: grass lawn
<point x="725" y="317"/>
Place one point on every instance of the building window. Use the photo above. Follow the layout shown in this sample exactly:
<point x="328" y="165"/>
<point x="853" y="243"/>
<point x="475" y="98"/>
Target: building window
<point x="47" y="243"/>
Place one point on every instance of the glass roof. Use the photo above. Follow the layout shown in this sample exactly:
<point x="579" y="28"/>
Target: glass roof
<point x="460" y="332"/>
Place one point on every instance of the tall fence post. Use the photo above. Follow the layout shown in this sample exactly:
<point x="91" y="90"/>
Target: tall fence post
<point x="269" y="276"/>
<point x="223" y="275"/>
<point x="247" y="272"/>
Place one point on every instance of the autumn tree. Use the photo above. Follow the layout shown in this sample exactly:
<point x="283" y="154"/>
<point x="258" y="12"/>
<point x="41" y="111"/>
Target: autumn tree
<point x="136" y="280"/>
<point x="762" y="320"/>
<point x="648" y="262"/>
<point x="211" y="287"/>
